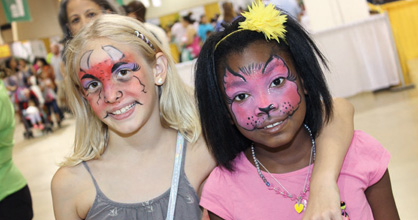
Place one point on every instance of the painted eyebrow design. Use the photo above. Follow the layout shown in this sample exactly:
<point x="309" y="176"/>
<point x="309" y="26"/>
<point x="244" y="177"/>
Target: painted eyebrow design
<point x="235" y="74"/>
<point x="250" y="69"/>
<point x="132" y="66"/>
<point x="85" y="60"/>
<point x="113" y="52"/>
<point x="89" y="76"/>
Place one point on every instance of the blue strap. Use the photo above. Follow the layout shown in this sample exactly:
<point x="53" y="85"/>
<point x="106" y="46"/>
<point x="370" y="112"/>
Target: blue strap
<point x="176" y="177"/>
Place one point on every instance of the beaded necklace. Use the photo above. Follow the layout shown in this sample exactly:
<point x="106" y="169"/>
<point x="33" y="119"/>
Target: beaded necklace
<point x="301" y="200"/>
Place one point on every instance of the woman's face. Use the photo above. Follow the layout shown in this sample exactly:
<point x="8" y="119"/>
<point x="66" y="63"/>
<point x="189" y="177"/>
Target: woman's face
<point x="264" y="94"/>
<point x="13" y="64"/>
<point x="118" y="84"/>
<point x="39" y="63"/>
<point x="80" y="13"/>
<point x="22" y="63"/>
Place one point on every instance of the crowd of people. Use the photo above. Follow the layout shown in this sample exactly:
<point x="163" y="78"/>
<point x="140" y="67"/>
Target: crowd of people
<point x="36" y="91"/>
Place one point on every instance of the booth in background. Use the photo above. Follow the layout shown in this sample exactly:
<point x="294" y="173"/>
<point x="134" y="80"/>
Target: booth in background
<point x="403" y="16"/>
<point x="362" y="56"/>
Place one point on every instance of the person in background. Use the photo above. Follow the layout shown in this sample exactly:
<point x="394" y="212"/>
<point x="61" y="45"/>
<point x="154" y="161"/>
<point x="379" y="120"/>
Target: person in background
<point x="74" y="14"/>
<point x="33" y="114"/>
<point x="11" y="80"/>
<point x="177" y="30"/>
<point x="25" y="70"/>
<point x="15" y="197"/>
<point x="137" y="10"/>
<point x="227" y="17"/>
<point x="49" y="89"/>
<point x="292" y="7"/>
<point x="190" y="41"/>
<point x="16" y="83"/>
<point x="205" y="28"/>
<point x="56" y="63"/>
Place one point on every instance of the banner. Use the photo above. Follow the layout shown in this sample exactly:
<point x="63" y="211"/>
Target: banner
<point x="5" y="51"/>
<point x="16" y="10"/>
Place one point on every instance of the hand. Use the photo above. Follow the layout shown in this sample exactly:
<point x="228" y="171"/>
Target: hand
<point x="323" y="203"/>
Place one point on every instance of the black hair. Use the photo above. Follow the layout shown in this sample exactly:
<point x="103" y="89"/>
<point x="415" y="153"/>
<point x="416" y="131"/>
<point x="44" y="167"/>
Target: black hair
<point x="188" y="18"/>
<point x="222" y="136"/>
<point x="8" y="61"/>
<point x="43" y="61"/>
<point x="138" y="8"/>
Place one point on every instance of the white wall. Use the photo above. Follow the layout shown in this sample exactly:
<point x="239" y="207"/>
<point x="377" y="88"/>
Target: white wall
<point x="173" y="6"/>
<point x="44" y="22"/>
<point x="325" y="14"/>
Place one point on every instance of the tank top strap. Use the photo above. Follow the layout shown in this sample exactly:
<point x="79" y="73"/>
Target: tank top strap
<point x="183" y="158"/>
<point x="91" y="175"/>
<point x="177" y="172"/>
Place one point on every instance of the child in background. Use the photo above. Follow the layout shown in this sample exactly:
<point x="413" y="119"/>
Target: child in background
<point x="270" y="99"/>
<point x="32" y="112"/>
<point x="34" y="87"/>
<point x="49" y="90"/>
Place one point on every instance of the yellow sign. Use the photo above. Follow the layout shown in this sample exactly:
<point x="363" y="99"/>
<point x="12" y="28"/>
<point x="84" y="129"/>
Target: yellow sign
<point x="5" y="51"/>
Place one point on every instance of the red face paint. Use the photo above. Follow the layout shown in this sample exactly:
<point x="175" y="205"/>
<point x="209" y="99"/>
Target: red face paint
<point x="108" y="83"/>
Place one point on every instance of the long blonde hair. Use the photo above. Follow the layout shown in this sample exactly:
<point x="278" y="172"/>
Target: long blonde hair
<point x="176" y="102"/>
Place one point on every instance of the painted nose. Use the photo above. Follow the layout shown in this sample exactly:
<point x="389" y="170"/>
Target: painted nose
<point x="112" y="97"/>
<point x="266" y="110"/>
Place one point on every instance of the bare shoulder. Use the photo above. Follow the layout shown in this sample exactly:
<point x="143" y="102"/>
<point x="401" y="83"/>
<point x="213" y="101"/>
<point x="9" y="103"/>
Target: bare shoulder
<point x="201" y="154"/>
<point x="72" y="192"/>
<point x="342" y="104"/>
<point x="63" y="180"/>
<point x="199" y="162"/>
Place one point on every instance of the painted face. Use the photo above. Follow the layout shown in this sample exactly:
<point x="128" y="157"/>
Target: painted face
<point x="263" y="94"/>
<point x="260" y="92"/>
<point x="116" y="83"/>
<point x="80" y="13"/>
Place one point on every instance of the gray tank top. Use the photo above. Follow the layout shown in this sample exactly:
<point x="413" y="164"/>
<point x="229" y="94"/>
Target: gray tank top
<point x="187" y="204"/>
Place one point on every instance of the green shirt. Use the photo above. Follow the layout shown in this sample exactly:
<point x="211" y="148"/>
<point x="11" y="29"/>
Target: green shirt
<point x="11" y="180"/>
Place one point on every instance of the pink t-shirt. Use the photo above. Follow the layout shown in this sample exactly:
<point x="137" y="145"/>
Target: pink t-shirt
<point x="242" y="194"/>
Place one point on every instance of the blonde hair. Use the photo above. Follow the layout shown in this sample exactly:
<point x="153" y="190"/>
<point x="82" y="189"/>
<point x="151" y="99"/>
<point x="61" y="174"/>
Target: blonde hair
<point x="176" y="102"/>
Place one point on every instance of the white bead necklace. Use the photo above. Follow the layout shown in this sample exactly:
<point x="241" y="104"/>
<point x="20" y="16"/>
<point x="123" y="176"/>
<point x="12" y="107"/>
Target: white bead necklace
<point x="301" y="200"/>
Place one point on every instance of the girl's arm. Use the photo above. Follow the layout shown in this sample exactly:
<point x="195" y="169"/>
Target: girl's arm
<point x="214" y="216"/>
<point x="381" y="199"/>
<point x="332" y="145"/>
<point x="63" y="188"/>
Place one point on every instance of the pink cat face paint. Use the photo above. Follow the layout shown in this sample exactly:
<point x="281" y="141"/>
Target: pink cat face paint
<point x="112" y="83"/>
<point x="260" y="94"/>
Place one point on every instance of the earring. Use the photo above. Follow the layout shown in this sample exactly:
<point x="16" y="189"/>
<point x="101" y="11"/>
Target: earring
<point x="160" y="81"/>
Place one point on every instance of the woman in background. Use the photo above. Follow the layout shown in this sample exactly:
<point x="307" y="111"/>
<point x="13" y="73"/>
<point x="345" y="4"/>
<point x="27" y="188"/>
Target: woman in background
<point x="75" y="14"/>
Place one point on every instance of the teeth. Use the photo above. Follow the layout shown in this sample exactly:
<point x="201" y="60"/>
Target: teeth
<point x="273" y="125"/>
<point x="123" y="110"/>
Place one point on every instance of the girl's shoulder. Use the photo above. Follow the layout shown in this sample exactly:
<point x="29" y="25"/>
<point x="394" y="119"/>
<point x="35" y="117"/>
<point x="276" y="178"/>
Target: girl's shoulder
<point x="199" y="162"/>
<point x="72" y="190"/>
<point x="199" y="153"/>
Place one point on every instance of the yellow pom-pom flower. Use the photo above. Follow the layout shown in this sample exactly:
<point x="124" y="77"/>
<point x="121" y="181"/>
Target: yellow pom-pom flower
<point x="265" y="19"/>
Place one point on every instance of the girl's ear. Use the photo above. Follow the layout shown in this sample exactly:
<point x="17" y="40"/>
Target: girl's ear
<point x="160" y="69"/>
